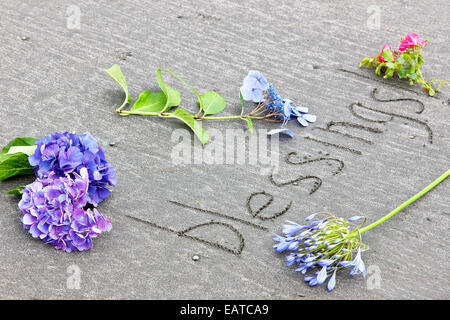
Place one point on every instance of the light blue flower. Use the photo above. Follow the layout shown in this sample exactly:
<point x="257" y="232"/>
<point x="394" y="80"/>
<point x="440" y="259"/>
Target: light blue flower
<point x="257" y="89"/>
<point x="254" y="86"/>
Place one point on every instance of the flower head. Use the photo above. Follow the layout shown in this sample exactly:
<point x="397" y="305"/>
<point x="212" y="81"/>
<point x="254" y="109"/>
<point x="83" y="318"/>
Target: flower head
<point x="253" y="87"/>
<point x="325" y="245"/>
<point x="63" y="154"/>
<point x="53" y="211"/>
<point x="257" y="89"/>
<point x="411" y="40"/>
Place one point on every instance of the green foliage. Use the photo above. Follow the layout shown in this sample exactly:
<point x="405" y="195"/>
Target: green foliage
<point x="19" y="142"/>
<point x="213" y="103"/>
<point x="14" y="158"/>
<point x="161" y="103"/>
<point x="15" y="164"/>
<point x="242" y="102"/>
<point x="173" y="97"/>
<point x="250" y="124"/>
<point x="17" y="191"/>
<point x="406" y="65"/>
<point x="150" y="102"/>
<point x="116" y="74"/>
<point x="189" y="120"/>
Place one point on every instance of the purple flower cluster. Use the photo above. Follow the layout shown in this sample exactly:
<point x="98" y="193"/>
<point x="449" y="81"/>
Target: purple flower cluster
<point x="73" y="176"/>
<point x="53" y="210"/>
<point x="257" y="89"/>
<point x="66" y="154"/>
<point x="328" y="245"/>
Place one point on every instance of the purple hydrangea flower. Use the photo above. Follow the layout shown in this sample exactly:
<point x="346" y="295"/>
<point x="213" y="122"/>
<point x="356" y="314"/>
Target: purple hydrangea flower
<point x="66" y="153"/>
<point x="53" y="211"/>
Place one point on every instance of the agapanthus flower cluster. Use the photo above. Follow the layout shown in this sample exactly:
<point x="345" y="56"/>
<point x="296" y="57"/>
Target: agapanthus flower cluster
<point x="257" y="89"/>
<point x="324" y="247"/>
<point x="53" y="210"/>
<point x="405" y="62"/>
<point x="66" y="153"/>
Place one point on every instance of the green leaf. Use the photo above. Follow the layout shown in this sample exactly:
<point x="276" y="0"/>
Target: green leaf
<point x="200" y="100"/>
<point x="18" y="142"/>
<point x="401" y="59"/>
<point x="419" y="60"/>
<point x="250" y="124"/>
<point x="213" y="103"/>
<point x="188" y="119"/>
<point x="363" y="62"/>
<point x="150" y="102"/>
<point x="242" y="102"/>
<point x="116" y="74"/>
<point x="173" y="96"/>
<point x="389" y="73"/>
<point x="402" y="74"/>
<point x="378" y="69"/>
<point x="17" y="191"/>
<point x="387" y="55"/>
<point x="28" y="150"/>
<point x="14" y="165"/>
<point x="410" y="69"/>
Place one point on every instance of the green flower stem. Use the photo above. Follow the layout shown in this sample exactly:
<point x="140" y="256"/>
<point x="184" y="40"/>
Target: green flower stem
<point x="229" y="118"/>
<point x="407" y="203"/>
<point x="158" y="114"/>
<point x="169" y="115"/>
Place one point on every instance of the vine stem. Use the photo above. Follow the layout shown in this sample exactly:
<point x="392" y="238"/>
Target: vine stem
<point x="169" y="115"/>
<point x="407" y="202"/>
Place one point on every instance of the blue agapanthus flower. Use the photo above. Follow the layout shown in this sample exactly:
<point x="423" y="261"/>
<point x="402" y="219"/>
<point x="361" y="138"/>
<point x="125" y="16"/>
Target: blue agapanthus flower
<point x="65" y="154"/>
<point x="257" y="89"/>
<point x="53" y="210"/>
<point x="326" y="246"/>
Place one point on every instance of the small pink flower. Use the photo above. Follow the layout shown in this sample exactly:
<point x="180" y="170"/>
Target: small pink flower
<point x="411" y="41"/>
<point x="386" y="47"/>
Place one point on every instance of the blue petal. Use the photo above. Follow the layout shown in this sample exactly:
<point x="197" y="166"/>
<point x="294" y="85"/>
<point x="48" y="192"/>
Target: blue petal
<point x="309" y="218"/>
<point x="281" y="130"/>
<point x="345" y="264"/>
<point x="302" y="109"/>
<point x="355" y="218"/>
<point x="302" y="121"/>
<point x="290" y="230"/>
<point x="282" y="246"/>
<point x="332" y="282"/>
<point x="313" y="282"/>
<point x="310" y="118"/>
<point x="322" y="275"/>
<point x="325" y="262"/>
